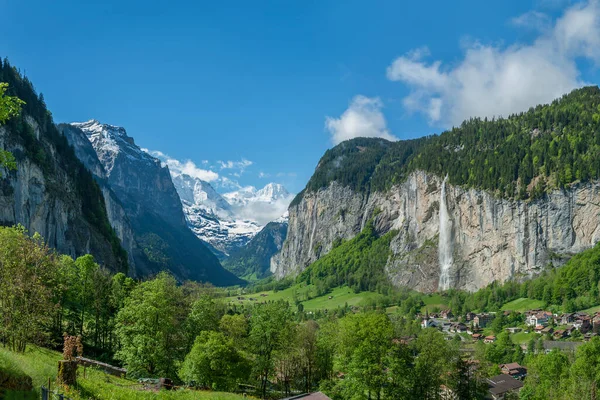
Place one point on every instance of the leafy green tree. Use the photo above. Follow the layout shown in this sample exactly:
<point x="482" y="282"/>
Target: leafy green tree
<point x="270" y="324"/>
<point x="585" y="371"/>
<point x="235" y="327"/>
<point x="150" y="328"/>
<point x="214" y="363"/>
<point x="205" y="314"/>
<point x="431" y="364"/>
<point x="10" y="106"/>
<point x="364" y="343"/>
<point x="28" y="269"/>
<point x="399" y="362"/>
<point x="547" y="376"/>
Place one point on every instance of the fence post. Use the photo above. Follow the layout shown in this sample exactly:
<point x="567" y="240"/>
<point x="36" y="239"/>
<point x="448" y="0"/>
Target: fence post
<point x="44" y="393"/>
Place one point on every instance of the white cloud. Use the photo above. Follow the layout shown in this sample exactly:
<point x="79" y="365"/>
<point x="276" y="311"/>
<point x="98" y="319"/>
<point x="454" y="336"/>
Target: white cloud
<point x="363" y="118"/>
<point x="239" y="165"/>
<point x="497" y="81"/>
<point x="187" y="167"/>
<point x="533" y="20"/>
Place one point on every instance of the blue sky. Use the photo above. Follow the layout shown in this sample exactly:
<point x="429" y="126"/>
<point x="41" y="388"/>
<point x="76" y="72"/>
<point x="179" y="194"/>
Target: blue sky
<point x="257" y="91"/>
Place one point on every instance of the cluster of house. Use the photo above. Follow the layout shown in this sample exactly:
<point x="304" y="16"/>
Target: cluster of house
<point x="543" y="322"/>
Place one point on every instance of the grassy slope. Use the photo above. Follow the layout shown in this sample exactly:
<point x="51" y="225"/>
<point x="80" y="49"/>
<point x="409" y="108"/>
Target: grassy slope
<point x="523" y="304"/>
<point x="340" y="296"/>
<point x="41" y="364"/>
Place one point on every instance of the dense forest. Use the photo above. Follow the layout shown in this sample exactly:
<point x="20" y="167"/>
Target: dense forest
<point x="522" y="156"/>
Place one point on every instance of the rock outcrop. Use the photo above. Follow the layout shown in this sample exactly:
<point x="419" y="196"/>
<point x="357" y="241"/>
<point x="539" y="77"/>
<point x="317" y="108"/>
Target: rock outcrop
<point x="490" y="238"/>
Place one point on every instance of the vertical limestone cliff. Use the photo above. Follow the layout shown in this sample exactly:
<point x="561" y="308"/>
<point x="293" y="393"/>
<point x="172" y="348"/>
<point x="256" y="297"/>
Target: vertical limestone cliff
<point x="487" y="239"/>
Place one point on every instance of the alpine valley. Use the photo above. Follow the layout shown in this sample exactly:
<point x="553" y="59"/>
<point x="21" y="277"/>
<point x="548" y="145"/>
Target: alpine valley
<point x="490" y="200"/>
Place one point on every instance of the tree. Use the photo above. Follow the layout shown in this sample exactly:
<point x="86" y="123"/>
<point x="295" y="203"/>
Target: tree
<point x="235" y="327"/>
<point x="431" y="363"/>
<point x="269" y="326"/>
<point x="214" y="362"/>
<point x="10" y="106"/>
<point x="150" y="327"/>
<point x="205" y="315"/>
<point x="308" y="349"/>
<point x="28" y="270"/>
<point x="364" y="342"/>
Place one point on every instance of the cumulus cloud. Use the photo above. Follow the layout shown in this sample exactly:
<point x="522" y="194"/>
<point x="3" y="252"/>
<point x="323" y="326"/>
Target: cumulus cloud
<point x="363" y="118"/>
<point x="498" y="80"/>
<point x="187" y="167"/>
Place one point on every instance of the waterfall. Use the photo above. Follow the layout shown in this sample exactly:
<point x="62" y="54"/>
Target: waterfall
<point x="445" y="241"/>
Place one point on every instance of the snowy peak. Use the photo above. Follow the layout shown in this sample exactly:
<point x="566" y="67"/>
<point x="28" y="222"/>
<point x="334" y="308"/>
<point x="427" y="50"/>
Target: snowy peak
<point x="111" y="141"/>
<point x="272" y="192"/>
<point x="195" y="191"/>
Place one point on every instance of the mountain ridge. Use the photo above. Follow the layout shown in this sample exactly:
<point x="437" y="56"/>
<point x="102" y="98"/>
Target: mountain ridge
<point x="520" y="195"/>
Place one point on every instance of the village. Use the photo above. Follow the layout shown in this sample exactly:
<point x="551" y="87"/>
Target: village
<point x="563" y="332"/>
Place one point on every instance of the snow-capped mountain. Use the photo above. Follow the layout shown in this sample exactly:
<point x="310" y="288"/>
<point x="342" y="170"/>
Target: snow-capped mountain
<point x="211" y="217"/>
<point x="271" y="193"/>
<point x="152" y="204"/>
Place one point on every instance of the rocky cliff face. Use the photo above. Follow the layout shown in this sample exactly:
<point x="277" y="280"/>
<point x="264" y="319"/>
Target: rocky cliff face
<point x="144" y="190"/>
<point x="43" y="196"/>
<point x="485" y="239"/>
<point x="138" y="262"/>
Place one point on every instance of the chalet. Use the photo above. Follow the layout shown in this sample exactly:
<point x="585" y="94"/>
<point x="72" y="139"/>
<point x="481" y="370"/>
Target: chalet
<point x="501" y="385"/>
<point x="489" y="339"/>
<point x="538" y="329"/>
<point x="539" y="318"/>
<point x="547" y="330"/>
<point x="560" y="334"/>
<point x="588" y="336"/>
<point x="514" y="369"/>
<point x="477" y="336"/>
<point x="446" y="314"/>
<point x="567" y="319"/>
<point x="470" y="316"/>
<point x="582" y="323"/>
<point x="482" y="320"/>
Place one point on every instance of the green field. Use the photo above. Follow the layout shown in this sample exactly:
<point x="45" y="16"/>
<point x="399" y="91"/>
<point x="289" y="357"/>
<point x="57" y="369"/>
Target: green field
<point x="522" y="337"/>
<point x="306" y="294"/>
<point x="41" y="364"/>
<point x="523" y="304"/>
<point x="434" y="301"/>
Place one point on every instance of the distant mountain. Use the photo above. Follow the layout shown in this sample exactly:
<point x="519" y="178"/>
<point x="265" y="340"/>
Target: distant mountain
<point x="211" y="217"/>
<point x="253" y="260"/>
<point x="145" y="190"/>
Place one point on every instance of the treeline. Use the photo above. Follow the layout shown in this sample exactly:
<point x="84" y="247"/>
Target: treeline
<point x="522" y="156"/>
